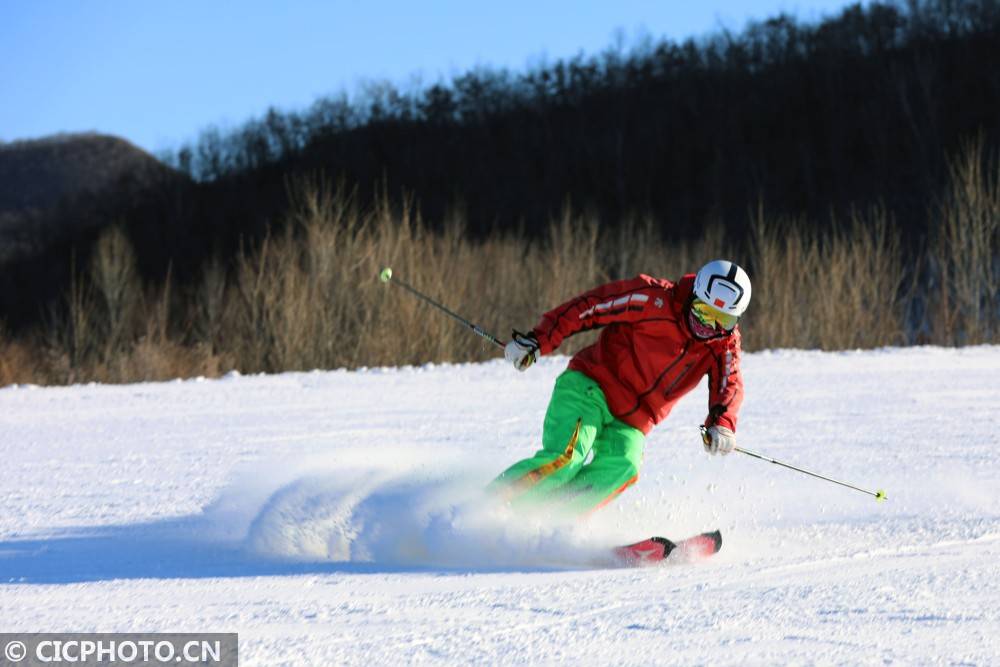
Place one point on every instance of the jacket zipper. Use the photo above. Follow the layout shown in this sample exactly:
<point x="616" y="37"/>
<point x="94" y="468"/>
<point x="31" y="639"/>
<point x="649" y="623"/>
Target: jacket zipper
<point x="666" y="392"/>
<point x="638" y="401"/>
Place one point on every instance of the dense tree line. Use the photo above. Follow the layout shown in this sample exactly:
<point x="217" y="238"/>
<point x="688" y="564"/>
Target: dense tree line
<point x="861" y="108"/>
<point x="811" y="120"/>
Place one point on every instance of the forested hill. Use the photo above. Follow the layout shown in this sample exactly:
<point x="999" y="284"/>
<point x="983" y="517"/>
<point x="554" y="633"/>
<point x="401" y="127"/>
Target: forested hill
<point x="862" y="108"/>
<point x="51" y="189"/>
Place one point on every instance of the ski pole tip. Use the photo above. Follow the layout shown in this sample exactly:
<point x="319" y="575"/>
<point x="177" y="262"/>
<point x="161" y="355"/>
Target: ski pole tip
<point x="386" y="275"/>
<point x="880" y="495"/>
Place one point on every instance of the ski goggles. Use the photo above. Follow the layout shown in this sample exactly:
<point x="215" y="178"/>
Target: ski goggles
<point x="712" y="317"/>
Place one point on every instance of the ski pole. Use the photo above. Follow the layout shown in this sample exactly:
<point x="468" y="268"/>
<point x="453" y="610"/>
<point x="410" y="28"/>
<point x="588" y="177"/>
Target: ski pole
<point x="879" y="494"/>
<point x="386" y="275"/>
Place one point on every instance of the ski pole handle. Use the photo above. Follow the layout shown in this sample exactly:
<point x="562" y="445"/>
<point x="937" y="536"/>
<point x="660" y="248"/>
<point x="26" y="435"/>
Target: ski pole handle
<point x="879" y="494"/>
<point x="386" y="276"/>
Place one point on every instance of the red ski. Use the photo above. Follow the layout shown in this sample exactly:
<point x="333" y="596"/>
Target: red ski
<point x="658" y="550"/>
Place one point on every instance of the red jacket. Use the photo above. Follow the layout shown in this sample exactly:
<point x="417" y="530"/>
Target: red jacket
<point x="646" y="357"/>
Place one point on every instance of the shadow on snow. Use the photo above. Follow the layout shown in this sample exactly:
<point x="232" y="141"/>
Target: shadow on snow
<point x="171" y="550"/>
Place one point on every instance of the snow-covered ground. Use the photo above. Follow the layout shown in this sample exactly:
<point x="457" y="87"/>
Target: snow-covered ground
<point x="332" y="518"/>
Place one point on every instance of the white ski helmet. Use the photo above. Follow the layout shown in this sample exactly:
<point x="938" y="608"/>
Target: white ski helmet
<point x="723" y="285"/>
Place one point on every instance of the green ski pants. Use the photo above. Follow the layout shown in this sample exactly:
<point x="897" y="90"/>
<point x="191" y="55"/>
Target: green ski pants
<point x="577" y="423"/>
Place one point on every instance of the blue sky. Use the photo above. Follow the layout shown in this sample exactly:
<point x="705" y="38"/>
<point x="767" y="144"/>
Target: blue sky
<point x="158" y="72"/>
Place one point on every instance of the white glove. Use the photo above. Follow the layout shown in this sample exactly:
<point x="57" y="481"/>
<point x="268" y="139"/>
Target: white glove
<point x="718" y="440"/>
<point x="522" y="350"/>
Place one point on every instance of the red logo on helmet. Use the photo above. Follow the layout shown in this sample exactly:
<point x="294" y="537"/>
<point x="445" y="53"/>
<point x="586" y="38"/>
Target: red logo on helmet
<point x="719" y="303"/>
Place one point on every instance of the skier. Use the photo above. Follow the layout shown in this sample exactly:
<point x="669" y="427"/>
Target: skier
<point x="659" y="339"/>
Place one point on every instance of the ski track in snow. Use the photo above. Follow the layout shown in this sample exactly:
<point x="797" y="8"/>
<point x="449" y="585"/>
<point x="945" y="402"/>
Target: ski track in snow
<point x="335" y="518"/>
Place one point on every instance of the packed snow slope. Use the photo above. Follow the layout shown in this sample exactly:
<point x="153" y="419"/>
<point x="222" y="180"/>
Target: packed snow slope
<point x="335" y="518"/>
